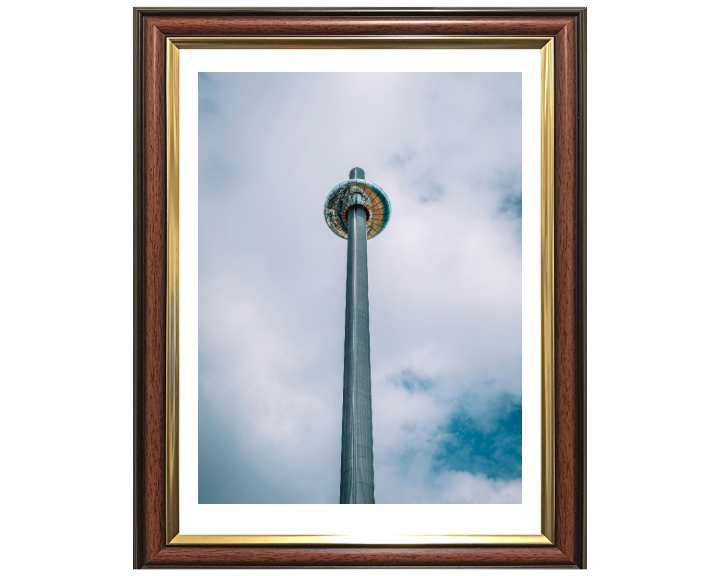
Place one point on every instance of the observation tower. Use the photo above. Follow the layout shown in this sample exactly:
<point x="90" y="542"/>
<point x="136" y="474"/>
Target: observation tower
<point x="357" y="209"/>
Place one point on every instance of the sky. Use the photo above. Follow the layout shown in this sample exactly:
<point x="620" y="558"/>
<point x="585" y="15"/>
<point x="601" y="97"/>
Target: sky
<point x="444" y="284"/>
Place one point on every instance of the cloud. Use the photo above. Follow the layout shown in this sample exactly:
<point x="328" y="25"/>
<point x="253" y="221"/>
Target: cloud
<point x="450" y="488"/>
<point x="432" y="435"/>
<point x="445" y="284"/>
<point x="414" y="383"/>
<point x="509" y="184"/>
<point x="430" y="191"/>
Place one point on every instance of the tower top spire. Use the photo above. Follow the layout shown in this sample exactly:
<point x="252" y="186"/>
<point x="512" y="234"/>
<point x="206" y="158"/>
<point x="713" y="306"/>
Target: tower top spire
<point x="356" y="173"/>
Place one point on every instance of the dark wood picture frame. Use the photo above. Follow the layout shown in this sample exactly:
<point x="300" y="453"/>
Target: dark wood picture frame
<point x="151" y="27"/>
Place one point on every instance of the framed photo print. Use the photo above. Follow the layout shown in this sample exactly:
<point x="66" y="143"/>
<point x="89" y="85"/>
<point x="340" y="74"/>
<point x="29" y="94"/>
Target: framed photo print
<point x="359" y="287"/>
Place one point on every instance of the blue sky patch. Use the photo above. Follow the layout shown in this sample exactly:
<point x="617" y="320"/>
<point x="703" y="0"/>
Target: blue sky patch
<point x="487" y="442"/>
<point x="414" y="383"/>
<point x="509" y="184"/>
<point x="512" y="204"/>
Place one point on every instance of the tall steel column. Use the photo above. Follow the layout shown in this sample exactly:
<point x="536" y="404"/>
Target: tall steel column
<point x="356" y="472"/>
<point x="358" y="210"/>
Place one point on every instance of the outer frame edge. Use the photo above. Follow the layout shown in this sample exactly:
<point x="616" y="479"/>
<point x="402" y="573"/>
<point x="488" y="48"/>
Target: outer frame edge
<point x="139" y="528"/>
<point x="581" y="96"/>
<point x="429" y="12"/>
<point x="138" y="485"/>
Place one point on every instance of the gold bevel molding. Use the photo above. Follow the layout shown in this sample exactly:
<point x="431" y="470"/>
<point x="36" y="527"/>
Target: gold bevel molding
<point x="545" y="45"/>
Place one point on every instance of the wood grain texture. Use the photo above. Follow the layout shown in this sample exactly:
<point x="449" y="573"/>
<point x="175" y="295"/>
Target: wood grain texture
<point x="361" y="556"/>
<point x="152" y="26"/>
<point x="138" y="295"/>
<point x="154" y="271"/>
<point x="581" y="266"/>
<point x="332" y="26"/>
<point x="565" y="293"/>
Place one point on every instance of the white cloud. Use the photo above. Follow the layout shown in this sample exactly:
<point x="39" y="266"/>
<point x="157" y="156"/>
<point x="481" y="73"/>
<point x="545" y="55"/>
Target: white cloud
<point x="449" y="487"/>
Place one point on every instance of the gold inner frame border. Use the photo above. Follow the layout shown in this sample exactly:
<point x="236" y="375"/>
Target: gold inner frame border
<point x="545" y="46"/>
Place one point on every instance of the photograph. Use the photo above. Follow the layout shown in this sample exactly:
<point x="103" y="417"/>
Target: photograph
<point x="360" y="288"/>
